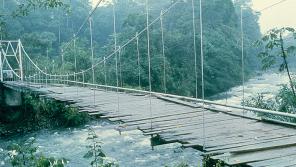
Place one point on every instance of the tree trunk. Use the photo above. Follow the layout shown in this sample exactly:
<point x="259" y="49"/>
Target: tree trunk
<point x="286" y="65"/>
<point x="290" y="78"/>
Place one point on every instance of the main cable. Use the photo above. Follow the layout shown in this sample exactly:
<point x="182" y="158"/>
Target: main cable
<point x="83" y="23"/>
<point x="113" y="53"/>
<point x="163" y="53"/>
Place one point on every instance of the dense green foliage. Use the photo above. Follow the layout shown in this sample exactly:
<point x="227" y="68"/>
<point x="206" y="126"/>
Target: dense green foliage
<point x="284" y="101"/>
<point x="26" y="155"/>
<point x="25" y="7"/>
<point x="37" y="113"/>
<point x="53" y="27"/>
<point x="277" y="50"/>
<point x="276" y="46"/>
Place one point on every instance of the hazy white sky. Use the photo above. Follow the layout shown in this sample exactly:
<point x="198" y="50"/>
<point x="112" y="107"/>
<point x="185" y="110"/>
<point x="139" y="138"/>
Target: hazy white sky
<point x="281" y="15"/>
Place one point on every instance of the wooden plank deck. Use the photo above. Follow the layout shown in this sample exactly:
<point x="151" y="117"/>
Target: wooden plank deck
<point x="228" y="136"/>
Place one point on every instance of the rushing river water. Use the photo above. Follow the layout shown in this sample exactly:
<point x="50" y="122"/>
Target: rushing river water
<point x="267" y="84"/>
<point x="132" y="148"/>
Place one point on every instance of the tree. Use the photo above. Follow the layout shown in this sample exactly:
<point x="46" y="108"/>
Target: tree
<point x="274" y="47"/>
<point x="221" y="47"/>
<point x="27" y="6"/>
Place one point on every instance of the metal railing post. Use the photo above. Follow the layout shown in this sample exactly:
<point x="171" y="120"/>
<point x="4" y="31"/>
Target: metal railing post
<point x="83" y="78"/>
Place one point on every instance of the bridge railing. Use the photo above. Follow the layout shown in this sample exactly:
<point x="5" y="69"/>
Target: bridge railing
<point x="211" y="105"/>
<point x="86" y="78"/>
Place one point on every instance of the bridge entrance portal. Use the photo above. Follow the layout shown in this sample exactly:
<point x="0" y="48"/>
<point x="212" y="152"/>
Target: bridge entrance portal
<point x="11" y="63"/>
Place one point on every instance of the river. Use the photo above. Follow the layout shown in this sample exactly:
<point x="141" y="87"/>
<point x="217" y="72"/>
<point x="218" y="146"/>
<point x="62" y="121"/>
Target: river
<point x="130" y="149"/>
<point x="268" y="84"/>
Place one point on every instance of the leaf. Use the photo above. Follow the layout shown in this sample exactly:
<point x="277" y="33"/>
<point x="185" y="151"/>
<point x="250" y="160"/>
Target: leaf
<point x="267" y="62"/>
<point x="101" y="154"/>
<point x="89" y="154"/>
<point x="265" y="38"/>
<point x="290" y="29"/>
<point x="269" y="45"/>
<point x="43" y="162"/>
<point x="273" y="36"/>
<point x="59" y="163"/>
<point x="258" y="43"/>
<point x="262" y="55"/>
<point x="276" y="31"/>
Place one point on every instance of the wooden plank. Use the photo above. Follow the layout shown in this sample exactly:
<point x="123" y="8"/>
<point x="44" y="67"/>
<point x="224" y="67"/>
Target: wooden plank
<point x="218" y="130"/>
<point x="225" y="142"/>
<point x="184" y="122"/>
<point x="234" y="139"/>
<point x="250" y="157"/>
<point x="211" y="148"/>
<point x="250" y="135"/>
<point x="262" y="145"/>
<point x="161" y="116"/>
<point x="279" y="161"/>
<point x="178" y="127"/>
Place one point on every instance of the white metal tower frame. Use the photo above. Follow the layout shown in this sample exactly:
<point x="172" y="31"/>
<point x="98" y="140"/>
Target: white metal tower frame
<point x="11" y="48"/>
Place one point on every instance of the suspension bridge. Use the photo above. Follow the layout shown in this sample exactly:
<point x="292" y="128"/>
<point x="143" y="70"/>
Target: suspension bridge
<point x="223" y="131"/>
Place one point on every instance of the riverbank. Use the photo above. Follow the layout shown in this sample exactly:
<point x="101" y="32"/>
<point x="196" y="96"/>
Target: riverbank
<point x="38" y="113"/>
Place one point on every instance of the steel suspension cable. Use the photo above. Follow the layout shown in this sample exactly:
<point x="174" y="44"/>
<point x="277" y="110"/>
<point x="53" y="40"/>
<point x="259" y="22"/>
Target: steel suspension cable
<point x="74" y="52"/>
<point x="117" y="81"/>
<point x="133" y="38"/>
<point x="202" y="72"/>
<point x="116" y="55"/>
<point x="92" y="57"/>
<point x="138" y="55"/>
<point x="113" y="53"/>
<point x="202" y="63"/>
<point x="114" y="28"/>
<point x="62" y="55"/>
<point x="242" y="57"/>
<point x="92" y="50"/>
<point x="194" y="46"/>
<point x="163" y="52"/>
<point x="84" y="23"/>
<point x="105" y="71"/>
<point x="120" y="71"/>
<point x="149" y="62"/>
